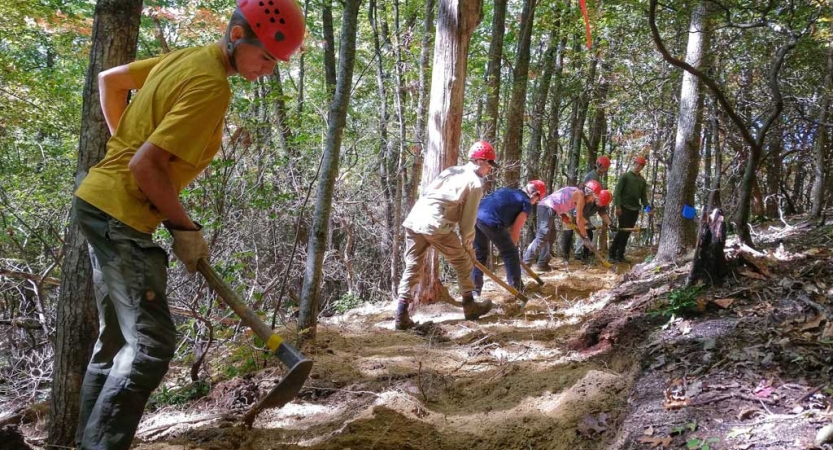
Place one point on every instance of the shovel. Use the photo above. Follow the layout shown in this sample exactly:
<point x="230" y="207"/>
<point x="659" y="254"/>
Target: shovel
<point x="523" y="298"/>
<point x="299" y="366"/>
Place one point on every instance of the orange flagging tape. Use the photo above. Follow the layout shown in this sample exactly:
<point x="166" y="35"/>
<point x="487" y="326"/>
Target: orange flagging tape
<point x="583" y="5"/>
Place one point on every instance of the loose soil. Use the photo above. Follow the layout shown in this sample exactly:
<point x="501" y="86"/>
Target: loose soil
<point x="586" y="365"/>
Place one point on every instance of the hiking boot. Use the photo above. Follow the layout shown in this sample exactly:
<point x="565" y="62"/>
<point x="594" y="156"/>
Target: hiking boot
<point x="403" y="321"/>
<point x="472" y="310"/>
<point x="543" y="267"/>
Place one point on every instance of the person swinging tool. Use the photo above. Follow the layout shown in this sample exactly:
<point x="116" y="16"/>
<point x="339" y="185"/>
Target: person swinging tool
<point x="449" y="202"/>
<point x="166" y="136"/>
<point x="562" y="202"/>
<point x="590" y="208"/>
<point x="500" y="219"/>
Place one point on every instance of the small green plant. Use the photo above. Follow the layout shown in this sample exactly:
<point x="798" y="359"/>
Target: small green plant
<point x="189" y="393"/>
<point x="680" y="429"/>
<point x="701" y="444"/>
<point x="680" y="301"/>
<point x="347" y="302"/>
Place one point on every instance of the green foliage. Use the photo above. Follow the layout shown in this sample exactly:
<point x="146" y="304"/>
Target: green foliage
<point x="681" y="301"/>
<point x="347" y="302"/>
<point x="701" y="444"/>
<point x="164" y="396"/>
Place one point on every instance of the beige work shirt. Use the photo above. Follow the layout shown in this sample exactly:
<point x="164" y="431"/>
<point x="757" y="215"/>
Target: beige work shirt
<point x="451" y="199"/>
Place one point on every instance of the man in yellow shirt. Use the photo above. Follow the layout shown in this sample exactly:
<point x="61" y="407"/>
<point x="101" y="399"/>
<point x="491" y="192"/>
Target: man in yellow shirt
<point x="160" y="142"/>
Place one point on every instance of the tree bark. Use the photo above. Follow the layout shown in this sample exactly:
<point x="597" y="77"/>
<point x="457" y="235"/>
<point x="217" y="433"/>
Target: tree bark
<point x="533" y="148"/>
<point x="456" y="22"/>
<point x="820" y="145"/>
<point x="329" y="47"/>
<point x="553" y="134"/>
<point x="422" y="106"/>
<point x="511" y="163"/>
<point x="311" y="290"/>
<point x="399" y="184"/>
<point x="115" y="34"/>
<point x="678" y="233"/>
<point x="489" y="132"/>
<point x="581" y="103"/>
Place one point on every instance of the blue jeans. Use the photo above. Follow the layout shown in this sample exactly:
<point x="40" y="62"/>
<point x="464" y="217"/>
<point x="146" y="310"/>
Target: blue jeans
<point x="502" y="239"/>
<point x="539" y="249"/>
<point x="137" y="337"/>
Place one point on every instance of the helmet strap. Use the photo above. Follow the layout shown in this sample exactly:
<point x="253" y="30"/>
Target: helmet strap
<point x="230" y="47"/>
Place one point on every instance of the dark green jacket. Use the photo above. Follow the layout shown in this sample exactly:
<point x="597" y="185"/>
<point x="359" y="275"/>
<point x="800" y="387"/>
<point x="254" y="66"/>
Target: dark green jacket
<point x="630" y="191"/>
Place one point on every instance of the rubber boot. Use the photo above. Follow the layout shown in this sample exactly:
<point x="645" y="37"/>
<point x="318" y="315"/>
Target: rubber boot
<point x="403" y="321"/>
<point x="472" y="310"/>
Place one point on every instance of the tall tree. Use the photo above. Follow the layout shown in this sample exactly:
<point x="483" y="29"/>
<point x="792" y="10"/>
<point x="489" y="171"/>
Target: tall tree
<point x="678" y="233"/>
<point x="311" y="290"/>
<point x="456" y="22"/>
<point x="489" y="132"/>
<point x="515" y="120"/>
<point x="533" y="146"/>
<point x="115" y="33"/>
<point x="820" y="149"/>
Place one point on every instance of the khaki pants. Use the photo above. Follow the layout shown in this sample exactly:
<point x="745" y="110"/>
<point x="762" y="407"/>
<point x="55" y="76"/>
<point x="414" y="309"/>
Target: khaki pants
<point x="449" y="245"/>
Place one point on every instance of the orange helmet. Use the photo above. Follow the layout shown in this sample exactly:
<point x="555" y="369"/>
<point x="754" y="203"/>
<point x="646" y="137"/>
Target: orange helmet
<point x="278" y="24"/>
<point x="640" y="160"/>
<point x="605" y="197"/>
<point x="592" y="186"/>
<point x="603" y="161"/>
<point x="538" y="187"/>
<point x="483" y="150"/>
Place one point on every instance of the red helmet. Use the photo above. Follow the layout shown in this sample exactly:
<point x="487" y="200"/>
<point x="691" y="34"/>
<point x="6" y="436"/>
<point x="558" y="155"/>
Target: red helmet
<point x="605" y="198"/>
<point x="539" y="186"/>
<point x="592" y="186"/>
<point x="603" y="161"/>
<point x="278" y="24"/>
<point x="483" y="150"/>
<point x="640" y="160"/>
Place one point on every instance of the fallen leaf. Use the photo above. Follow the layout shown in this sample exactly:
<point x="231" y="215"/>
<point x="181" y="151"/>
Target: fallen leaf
<point x="750" y="274"/>
<point x="723" y="302"/>
<point x="812" y="252"/>
<point x="649" y="431"/>
<point x="828" y="331"/>
<point x="813" y="323"/>
<point x="685" y="327"/>
<point x="655" y="442"/>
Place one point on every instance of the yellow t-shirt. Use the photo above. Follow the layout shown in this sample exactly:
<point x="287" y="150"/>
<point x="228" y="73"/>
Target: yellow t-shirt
<point x="180" y="107"/>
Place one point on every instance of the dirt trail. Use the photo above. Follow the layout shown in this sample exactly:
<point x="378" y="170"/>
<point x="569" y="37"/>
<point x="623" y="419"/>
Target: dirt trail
<point x="504" y="382"/>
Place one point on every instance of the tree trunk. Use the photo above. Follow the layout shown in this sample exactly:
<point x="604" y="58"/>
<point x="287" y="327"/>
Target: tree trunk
<point x="456" y="22"/>
<point x="399" y="169"/>
<point x="678" y="233"/>
<point x="299" y="108"/>
<point x="774" y="161"/>
<point x="820" y="145"/>
<point x="115" y="33"/>
<point x="513" y="141"/>
<point x="598" y="127"/>
<point x="580" y="104"/>
<point x="388" y="181"/>
<point x="553" y="134"/>
<point x="489" y="132"/>
<point x="329" y="47"/>
<point x="533" y="148"/>
<point x="311" y="290"/>
<point x="281" y="118"/>
<point x="422" y="110"/>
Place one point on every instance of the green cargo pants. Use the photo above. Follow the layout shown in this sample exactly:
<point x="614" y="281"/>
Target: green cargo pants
<point x="137" y="337"/>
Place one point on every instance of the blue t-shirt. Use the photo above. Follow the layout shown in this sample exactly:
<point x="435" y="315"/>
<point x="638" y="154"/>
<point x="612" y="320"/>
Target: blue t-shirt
<point x="500" y="208"/>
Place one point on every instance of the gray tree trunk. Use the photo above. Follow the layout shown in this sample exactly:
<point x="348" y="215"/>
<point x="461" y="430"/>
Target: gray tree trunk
<point x="115" y="33"/>
<point x="399" y="170"/>
<point x="311" y="290"/>
<point x="533" y="147"/>
<point x="580" y="106"/>
<point x="456" y="22"/>
<point x="553" y="134"/>
<point x="329" y="47"/>
<point x="489" y="132"/>
<point x="820" y="169"/>
<point x="511" y="163"/>
<point x="422" y="106"/>
<point x="678" y="233"/>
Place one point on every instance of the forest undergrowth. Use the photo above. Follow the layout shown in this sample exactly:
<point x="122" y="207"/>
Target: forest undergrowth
<point x="599" y="359"/>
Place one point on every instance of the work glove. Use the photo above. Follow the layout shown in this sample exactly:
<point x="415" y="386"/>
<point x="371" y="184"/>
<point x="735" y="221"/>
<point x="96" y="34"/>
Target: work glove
<point x="189" y="246"/>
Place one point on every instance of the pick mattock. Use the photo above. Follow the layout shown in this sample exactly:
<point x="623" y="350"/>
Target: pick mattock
<point x="299" y="366"/>
<point x="519" y="295"/>
<point x="531" y="273"/>
<point x="589" y="244"/>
